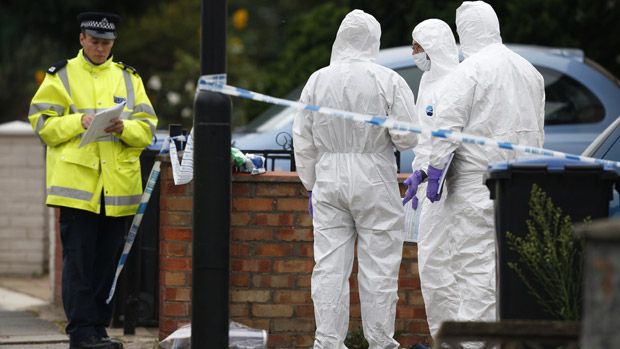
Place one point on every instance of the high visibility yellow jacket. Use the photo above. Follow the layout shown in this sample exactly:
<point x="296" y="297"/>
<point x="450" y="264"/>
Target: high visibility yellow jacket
<point x="76" y="177"/>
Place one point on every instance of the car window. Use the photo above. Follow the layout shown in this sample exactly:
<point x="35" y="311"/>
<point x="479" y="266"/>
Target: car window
<point x="567" y="101"/>
<point x="610" y="149"/>
<point x="614" y="152"/>
<point x="412" y="76"/>
<point x="275" y="117"/>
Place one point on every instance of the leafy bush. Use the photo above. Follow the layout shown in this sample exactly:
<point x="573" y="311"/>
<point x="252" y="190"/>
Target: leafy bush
<point x="551" y="259"/>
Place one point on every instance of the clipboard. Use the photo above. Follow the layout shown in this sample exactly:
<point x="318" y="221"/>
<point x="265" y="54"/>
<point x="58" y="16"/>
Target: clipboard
<point x="100" y="122"/>
<point x="412" y="217"/>
<point x="442" y="179"/>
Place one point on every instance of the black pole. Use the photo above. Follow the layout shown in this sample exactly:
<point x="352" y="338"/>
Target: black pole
<point x="212" y="174"/>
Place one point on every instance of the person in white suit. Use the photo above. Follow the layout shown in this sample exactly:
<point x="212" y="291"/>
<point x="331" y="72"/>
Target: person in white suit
<point x="494" y="93"/>
<point x="435" y="52"/>
<point x="349" y="170"/>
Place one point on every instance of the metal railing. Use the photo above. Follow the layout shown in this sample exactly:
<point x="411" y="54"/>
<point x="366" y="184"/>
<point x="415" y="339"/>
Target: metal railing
<point x="287" y="153"/>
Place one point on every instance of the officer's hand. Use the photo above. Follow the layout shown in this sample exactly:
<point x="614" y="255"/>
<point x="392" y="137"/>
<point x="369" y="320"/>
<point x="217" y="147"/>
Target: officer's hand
<point x="116" y="126"/>
<point x="87" y="119"/>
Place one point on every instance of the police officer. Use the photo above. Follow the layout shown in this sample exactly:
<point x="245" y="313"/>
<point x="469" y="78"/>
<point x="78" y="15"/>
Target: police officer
<point x="97" y="186"/>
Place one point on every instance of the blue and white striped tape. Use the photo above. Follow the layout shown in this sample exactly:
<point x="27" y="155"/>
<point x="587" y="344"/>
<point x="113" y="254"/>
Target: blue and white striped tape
<point x="217" y="83"/>
<point x="135" y="225"/>
<point x="137" y="218"/>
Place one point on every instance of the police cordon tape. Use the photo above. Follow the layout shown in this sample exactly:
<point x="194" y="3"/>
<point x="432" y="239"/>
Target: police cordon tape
<point x="135" y="224"/>
<point x="137" y="218"/>
<point x="217" y="83"/>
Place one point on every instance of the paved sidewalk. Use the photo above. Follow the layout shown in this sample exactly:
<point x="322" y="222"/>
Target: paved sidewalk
<point x="28" y="320"/>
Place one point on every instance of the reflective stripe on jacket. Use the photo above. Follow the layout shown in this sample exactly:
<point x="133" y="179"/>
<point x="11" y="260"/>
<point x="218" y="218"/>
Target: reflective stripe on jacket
<point x="76" y="176"/>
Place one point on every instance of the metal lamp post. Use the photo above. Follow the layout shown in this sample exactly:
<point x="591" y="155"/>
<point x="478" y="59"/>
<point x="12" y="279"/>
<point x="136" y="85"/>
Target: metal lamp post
<point x="212" y="174"/>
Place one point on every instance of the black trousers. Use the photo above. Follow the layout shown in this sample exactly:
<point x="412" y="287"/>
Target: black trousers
<point x="91" y="245"/>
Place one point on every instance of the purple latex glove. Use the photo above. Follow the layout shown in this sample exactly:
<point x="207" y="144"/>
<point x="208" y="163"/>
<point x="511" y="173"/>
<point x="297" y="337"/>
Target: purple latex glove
<point x="434" y="174"/>
<point x="412" y="183"/>
<point x="310" y="204"/>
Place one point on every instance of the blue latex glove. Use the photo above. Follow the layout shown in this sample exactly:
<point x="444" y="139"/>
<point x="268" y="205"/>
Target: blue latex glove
<point x="412" y="183"/>
<point x="434" y="174"/>
<point x="310" y="204"/>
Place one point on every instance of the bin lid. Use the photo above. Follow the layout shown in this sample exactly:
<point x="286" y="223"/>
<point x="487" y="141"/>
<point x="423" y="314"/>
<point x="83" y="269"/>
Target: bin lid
<point x="549" y="164"/>
<point x="601" y="230"/>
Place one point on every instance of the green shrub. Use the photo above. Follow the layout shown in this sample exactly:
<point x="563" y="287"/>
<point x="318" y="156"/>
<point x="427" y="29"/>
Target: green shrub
<point x="550" y="260"/>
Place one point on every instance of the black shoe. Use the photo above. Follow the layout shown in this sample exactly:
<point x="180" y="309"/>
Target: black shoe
<point x="116" y="344"/>
<point x="419" y="346"/>
<point x="92" y="343"/>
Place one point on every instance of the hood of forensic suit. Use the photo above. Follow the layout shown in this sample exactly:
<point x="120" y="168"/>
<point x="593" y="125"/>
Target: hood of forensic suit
<point x="435" y="36"/>
<point x="477" y="26"/>
<point x="358" y="38"/>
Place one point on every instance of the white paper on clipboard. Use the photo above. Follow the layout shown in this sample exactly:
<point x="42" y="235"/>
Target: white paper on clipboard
<point x="100" y="123"/>
<point x="442" y="179"/>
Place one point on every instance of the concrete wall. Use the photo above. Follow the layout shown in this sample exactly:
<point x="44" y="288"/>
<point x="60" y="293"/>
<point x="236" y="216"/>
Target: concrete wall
<point x="24" y="247"/>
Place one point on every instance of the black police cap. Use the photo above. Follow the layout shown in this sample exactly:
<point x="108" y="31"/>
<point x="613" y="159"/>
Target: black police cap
<point x="99" y="24"/>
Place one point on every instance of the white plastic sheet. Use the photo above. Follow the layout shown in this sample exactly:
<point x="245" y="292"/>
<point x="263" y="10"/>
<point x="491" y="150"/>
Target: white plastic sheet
<point x="239" y="337"/>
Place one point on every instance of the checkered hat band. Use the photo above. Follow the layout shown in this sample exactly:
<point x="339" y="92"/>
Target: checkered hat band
<point x="98" y="25"/>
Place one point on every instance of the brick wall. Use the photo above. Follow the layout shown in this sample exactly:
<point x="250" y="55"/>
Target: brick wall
<point x="271" y="262"/>
<point x="23" y="215"/>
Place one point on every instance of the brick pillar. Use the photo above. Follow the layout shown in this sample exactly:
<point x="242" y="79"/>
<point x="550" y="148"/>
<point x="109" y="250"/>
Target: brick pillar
<point x="175" y="234"/>
<point x="271" y="254"/>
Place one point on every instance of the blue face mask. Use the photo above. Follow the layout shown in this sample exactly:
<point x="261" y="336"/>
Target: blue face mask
<point x="422" y="61"/>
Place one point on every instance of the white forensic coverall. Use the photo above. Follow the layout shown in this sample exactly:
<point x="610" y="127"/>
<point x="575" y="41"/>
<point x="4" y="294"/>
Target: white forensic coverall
<point x="436" y="37"/>
<point x="493" y="93"/>
<point x="350" y="168"/>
